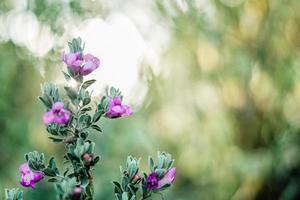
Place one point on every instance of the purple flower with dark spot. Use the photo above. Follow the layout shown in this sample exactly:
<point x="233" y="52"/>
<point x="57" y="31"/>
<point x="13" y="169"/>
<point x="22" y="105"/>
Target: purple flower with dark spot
<point x="82" y="65"/>
<point x="152" y="181"/>
<point x="29" y="178"/>
<point x="73" y="60"/>
<point x="57" y="114"/>
<point x="90" y="64"/>
<point x="117" y="109"/>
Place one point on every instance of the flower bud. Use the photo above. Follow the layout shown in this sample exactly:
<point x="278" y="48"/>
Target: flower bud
<point x="87" y="157"/>
<point x="77" y="191"/>
<point x="136" y="178"/>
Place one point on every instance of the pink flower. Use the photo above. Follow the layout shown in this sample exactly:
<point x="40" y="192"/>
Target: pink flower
<point x="90" y="64"/>
<point x="73" y="60"/>
<point x="77" y="191"/>
<point x="117" y="109"/>
<point x="82" y="65"/>
<point x="28" y="177"/>
<point x="57" y="114"/>
<point x="168" y="178"/>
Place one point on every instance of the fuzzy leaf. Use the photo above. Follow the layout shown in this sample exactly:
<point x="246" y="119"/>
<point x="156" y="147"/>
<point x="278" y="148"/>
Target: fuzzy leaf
<point x="88" y="83"/>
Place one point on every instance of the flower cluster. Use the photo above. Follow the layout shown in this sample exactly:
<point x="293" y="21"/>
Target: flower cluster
<point x="69" y="121"/>
<point x="154" y="183"/>
<point x="77" y="62"/>
<point x="133" y="185"/>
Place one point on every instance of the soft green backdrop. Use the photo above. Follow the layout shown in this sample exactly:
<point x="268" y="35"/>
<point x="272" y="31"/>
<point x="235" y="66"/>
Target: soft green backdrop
<point x="225" y="103"/>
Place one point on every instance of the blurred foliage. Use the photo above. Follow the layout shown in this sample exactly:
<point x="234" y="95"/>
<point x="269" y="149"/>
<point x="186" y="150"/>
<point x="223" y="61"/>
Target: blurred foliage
<point x="225" y="103"/>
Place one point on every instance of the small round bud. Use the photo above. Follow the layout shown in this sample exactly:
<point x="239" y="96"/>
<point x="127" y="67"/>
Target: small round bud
<point x="77" y="191"/>
<point x="87" y="157"/>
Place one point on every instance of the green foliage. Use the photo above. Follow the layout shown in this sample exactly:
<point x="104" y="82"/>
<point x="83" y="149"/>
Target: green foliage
<point x="80" y="159"/>
<point x="133" y="186"/>
<point x="50" y="95"/>
<point x="13" y="194"/>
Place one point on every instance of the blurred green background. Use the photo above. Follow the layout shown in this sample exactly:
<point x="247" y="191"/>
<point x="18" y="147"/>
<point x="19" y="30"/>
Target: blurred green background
<point x="223" y="95"/>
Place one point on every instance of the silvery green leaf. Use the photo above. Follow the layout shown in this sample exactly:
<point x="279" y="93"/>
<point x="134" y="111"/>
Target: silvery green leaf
<point x="72" y="94"/>
<point x="88" y="83"/>
<point x="49" y="172"/>
<point x="96" y="127"/>
<point x="86" y="101"/>
<point x="46" y="103"/>
<point x="151" y="163"/>
<point x="67" y="76"/>
<point x="160" y="172"/>
<point x="97" y="115"/>
<point x="13" y="194"/>
<point x="117" y="188"/>
<point x="52" y="180"/>
<point x="125" y="196"/>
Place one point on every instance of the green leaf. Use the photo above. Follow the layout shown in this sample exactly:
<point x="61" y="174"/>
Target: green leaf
<point x="88" y="83"/>
<point x="96" y="127"/>
<point x="98" y="114"/>
<point x="151" y="163"/>
<point x="86" y="109"/>
<point x="67" y="76"/>
<point x="95" y="161"/>
<point x="86" y="101"/>
<point x="56" y="140"/>
<point x="52" y="180"/>
<point x="46" y="103"/>
<point x="13" y="194"/>
<point x="72" y="94"/>
<point x="160" y="172"/>
<point x="49" y="172"/>
<point x="125" y="196"/>
<point x="118" y="188"/>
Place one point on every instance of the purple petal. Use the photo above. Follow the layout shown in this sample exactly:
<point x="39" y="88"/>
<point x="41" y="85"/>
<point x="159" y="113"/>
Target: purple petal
<point x="70" y="58"/>
<point x="63" y="117"/>
<point x="168" y="178"/>
<point x="127" y="110"/>
<point x="87" y="68"/>
<point x="57" y="106"/>
<point x="28" y="177"/>
<point x="116" y="101"/>
<point x="88" y="57"/>
<point x="48" y="117"/>
<point x="152" y="181"/>
<point x="24" y="168"/>
<point x="37" y="176"/>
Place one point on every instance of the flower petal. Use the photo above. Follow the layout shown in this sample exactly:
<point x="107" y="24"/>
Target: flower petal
<point x="168" y="178"/>
<point x="48" y="117"/>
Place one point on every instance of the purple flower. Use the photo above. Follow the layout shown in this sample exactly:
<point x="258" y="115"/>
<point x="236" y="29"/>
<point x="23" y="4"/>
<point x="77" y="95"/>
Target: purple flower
<point x="28" y="177"/>
<point x="57" y="114"/>
<point x="153" y="183"/>
<point x="82" y="65"/>
<point x="90" y="64"/>
<point x="117" y="109"/>
<point x="168" y="178"/>
<point x="73" y="60"/>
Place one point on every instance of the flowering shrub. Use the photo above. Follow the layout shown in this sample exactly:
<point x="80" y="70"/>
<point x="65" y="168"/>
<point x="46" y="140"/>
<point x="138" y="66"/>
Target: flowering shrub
<point x="69" y="120"/>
